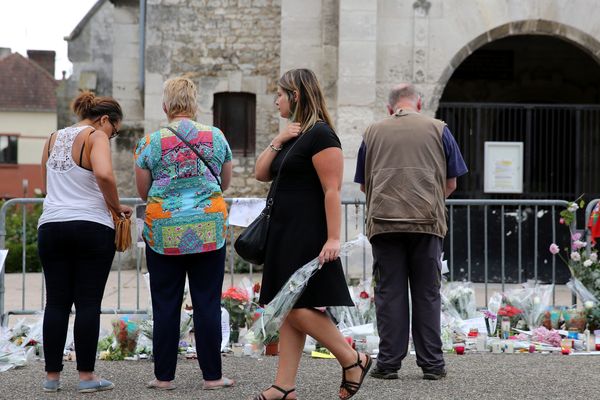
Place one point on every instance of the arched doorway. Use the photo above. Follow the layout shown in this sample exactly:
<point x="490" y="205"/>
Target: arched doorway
<point x="543" y="91"/>
<point x="539" y="90"/>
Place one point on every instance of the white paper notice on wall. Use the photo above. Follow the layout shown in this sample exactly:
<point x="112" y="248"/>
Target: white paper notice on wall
<point x="503" y="167"/>
<point x="243" y="211"/>
<point x="3" y="254"/>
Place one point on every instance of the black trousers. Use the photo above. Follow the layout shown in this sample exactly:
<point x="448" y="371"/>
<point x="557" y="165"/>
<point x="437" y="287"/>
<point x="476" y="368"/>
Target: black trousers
<point x="400" y="259"/>
<point x="205" y="273"/>
<point x="76" y="257"/>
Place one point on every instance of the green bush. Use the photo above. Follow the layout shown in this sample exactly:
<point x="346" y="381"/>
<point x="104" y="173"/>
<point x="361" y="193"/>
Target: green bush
<point x="14" y="259"/>
<point x="13" y="240"/>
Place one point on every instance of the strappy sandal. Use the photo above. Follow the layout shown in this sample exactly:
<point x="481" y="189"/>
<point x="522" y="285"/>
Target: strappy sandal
<point x="285" y="393"/>
<point x="353" y="387"/>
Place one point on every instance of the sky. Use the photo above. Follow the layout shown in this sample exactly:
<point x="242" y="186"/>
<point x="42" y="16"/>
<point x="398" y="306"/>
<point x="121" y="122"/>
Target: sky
<point x="41" y="25"/>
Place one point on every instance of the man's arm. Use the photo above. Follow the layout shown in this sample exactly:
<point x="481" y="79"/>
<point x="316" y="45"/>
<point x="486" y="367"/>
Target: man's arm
<point x="359" y="175"/>
<point x="455" y="164"/>
<point x="450" y="186"/>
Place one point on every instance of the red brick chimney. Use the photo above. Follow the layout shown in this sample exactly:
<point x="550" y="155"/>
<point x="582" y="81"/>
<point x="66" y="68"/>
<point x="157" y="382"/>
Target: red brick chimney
<point x="44" y="58"/>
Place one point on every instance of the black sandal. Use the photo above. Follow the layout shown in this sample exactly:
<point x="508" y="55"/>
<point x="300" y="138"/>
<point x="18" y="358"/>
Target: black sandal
<point x="261" y="396"/>
<point x="353" y="387"/>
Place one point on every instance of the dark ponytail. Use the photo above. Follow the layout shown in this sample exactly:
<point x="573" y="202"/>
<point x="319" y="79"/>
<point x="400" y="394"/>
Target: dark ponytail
<point x="88" y="106"/>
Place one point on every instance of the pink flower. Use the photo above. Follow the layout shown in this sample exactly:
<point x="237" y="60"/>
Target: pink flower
<point x="561" y="221"/>
<point x="576" y="236"/>
<point x="578" y="244"/>
<point x="554" y="249"/>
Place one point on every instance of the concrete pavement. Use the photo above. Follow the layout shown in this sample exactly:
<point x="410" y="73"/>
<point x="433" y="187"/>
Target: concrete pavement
<point x="472" y="376"/>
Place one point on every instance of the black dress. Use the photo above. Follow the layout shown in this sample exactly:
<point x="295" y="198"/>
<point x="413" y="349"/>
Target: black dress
<point x="298" y="227"/>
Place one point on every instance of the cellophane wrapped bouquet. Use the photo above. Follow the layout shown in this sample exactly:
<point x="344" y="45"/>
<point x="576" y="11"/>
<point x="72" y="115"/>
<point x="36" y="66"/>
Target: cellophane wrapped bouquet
<point x="126" y="331"/>
<point x="268" y="323"/>
<point x="460" y="297"/>
<point x="533" y="300"/>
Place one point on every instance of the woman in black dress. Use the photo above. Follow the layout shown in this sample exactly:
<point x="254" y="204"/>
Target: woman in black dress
<point x="305" y="223"/>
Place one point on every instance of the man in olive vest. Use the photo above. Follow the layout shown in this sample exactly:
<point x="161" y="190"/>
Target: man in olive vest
<point x="407" y="165"/>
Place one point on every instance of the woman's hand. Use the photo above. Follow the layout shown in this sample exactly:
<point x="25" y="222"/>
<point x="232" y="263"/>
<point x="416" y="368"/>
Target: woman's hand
<point x="125" y="210"/>
<point x="288" y="133"/>
<point x="330" y="252"/>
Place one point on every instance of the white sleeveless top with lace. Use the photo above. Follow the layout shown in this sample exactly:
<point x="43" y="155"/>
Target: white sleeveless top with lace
<point x="72" y="191"/>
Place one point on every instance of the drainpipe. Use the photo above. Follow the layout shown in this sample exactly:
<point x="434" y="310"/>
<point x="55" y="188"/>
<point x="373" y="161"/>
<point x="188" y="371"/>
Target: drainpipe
<point x="142" y="76"/>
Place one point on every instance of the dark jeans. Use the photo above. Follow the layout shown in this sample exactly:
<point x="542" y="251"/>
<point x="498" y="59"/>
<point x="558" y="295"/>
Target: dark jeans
<point x="76" y="257"/>
<point x="400" y="259"/>
<point x="205" y="273"/>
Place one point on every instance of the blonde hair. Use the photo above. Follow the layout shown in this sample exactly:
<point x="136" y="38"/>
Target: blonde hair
<point x="310" y="107"/>
<point x="179" y="97"/>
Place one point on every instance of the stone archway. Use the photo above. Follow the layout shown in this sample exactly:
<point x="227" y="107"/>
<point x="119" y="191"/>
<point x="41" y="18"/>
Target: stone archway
<point x="581" y="39"/>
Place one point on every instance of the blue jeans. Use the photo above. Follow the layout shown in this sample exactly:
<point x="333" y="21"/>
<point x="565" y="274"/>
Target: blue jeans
<point x="76" y="257"/>
<point x="205" y="273"/>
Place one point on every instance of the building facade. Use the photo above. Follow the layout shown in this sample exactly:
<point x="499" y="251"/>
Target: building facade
<point x="455" y="51"/>
<point x="27" y="116"/>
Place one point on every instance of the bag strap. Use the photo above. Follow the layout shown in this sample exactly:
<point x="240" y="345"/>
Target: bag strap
<point x="273" y="189"/>
<point x="188" y="144"/>
<point x="88" y="150"/>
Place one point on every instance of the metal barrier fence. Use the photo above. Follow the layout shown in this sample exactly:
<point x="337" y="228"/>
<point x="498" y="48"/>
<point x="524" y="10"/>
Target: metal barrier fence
<point x="471" y="225"/>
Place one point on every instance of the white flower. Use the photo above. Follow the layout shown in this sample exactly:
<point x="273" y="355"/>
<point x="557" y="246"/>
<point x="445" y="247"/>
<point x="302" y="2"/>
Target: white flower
<point x="536" y="300"/>
<point x="594" y="257"/>
<point x="588" y="263"/>
<point x="578" y="244"/>
<point x="573" y="207"/>
<point x="575" y="256"/>
<point x="588" y="304"/>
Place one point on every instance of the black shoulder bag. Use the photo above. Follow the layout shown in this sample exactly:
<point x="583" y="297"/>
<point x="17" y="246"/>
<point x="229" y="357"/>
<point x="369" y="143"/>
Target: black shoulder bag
<point x="252" y="243"/>
<point x="188" y="144"/>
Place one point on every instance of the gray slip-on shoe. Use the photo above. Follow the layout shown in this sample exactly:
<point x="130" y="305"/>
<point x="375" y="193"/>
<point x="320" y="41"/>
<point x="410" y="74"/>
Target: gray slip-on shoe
<point x="51" y="385"/>
<point x="94" y="386"/>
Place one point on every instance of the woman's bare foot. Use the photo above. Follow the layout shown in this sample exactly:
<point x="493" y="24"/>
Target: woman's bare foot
<point x="218" y="384"/>
<point x="156" y="384"/>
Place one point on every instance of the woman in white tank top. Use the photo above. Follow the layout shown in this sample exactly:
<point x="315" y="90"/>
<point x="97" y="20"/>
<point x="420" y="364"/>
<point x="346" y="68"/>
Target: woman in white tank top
<point x="76" y="234"/>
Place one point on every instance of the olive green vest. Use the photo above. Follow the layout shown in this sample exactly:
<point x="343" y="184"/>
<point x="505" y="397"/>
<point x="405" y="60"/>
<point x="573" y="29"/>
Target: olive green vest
<point x="405" y="175"/>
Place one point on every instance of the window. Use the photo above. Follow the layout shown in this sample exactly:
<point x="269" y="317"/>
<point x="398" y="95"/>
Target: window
<point x="235" y="114"/>
<point x="8" y="149"/>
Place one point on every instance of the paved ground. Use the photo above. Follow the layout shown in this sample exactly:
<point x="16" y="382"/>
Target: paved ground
<point x="472" y="376"/>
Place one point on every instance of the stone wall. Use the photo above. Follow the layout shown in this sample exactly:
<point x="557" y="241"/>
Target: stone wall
<point x="224" y="46"/>
<point x="426" y="40"/>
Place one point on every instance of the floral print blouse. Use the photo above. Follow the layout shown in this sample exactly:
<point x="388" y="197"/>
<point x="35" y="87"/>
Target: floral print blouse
<point x="185" y="212"/>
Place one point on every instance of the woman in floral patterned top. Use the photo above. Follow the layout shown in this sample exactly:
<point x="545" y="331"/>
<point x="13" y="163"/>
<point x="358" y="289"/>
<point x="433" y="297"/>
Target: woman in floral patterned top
<point x="184" y="230"/>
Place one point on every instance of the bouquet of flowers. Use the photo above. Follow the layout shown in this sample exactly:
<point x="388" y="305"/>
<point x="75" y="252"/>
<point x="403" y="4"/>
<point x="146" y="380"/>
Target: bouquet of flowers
<point x="460" y="297"/>
<point x="235" y="301"/>
<point x="126" y="331"/>
<point x="583" y="264"/>
<point x="542" y="335"/>
<point x="275" y="312"/>
<point x="363" y="311"/>
<point x="512" y="313"/>
<point x="532" y="300"/>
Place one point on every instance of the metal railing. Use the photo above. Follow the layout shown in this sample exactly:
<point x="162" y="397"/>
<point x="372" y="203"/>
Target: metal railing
<point x="478" y="243"/>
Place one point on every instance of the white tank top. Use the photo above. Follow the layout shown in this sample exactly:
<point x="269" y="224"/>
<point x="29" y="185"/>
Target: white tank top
<point x="72" y="191"/>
